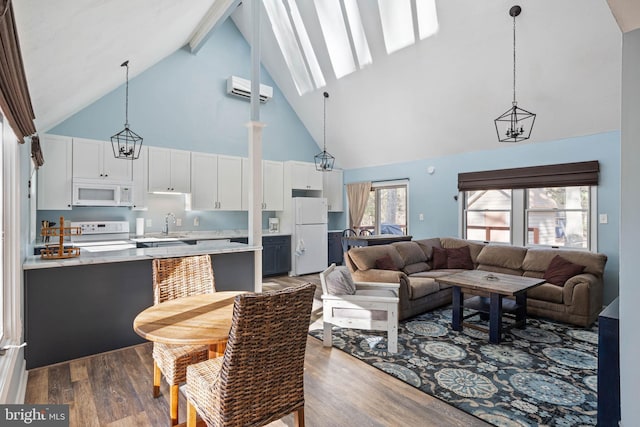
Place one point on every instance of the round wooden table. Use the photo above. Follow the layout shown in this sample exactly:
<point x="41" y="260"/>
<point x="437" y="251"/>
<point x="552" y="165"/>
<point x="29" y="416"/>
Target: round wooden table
<point x="198" y="319"/>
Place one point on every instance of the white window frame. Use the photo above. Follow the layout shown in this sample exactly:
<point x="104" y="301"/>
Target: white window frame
<point x="11" y="254"/>
<point x="388" y="184"/>
<point x="518" y="219"/>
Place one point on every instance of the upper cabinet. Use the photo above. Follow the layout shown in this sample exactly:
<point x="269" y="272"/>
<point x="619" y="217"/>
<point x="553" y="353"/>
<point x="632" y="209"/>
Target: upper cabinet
<point x="272" y="185"/>
<point x="140" y="179"/>
<point x="95" y="160"/>
<point x="304" y="176"/>
<point x="169" y="170"/>
<point x="332" y="189"/>
<point x="54" y="177"/>
<point x="216" y="182"/>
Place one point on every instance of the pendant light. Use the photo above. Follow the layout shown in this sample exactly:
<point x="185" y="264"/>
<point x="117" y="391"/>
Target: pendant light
<point x="516" y="123"/>
<point x="126" y="144"/>
<point x="324" y="161"/>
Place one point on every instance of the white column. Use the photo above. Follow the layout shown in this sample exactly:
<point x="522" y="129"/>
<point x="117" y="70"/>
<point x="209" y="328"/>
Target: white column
<point x="255" y="147"/>
<point x="255" y="196"/>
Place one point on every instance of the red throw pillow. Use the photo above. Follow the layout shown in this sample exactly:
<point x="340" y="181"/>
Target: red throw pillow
<point x="560" y="270"/>
<point x="386" y="263"/>
<point x="439" y="258"/>
<point x="459" y="258"/>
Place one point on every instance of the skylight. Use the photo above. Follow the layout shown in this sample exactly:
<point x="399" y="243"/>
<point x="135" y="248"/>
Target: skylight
<point x="343" y="34"/>
<point x="398" y="23"/>
<point x="292" y="44"/>
<point x="403" y="23"/>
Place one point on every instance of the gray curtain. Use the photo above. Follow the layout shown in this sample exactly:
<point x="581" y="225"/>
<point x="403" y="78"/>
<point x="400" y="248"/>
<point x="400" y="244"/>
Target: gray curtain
<point x="357" y="195"/>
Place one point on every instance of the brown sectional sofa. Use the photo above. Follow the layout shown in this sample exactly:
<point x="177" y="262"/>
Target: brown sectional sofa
<point x="578" y="302"/>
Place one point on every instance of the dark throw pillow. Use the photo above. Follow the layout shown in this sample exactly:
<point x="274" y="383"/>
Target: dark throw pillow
<point x="386" y="263"/>
<point x="560" y="270"/>
<point x="459" y="258"/>
<point x="439" y="258"/>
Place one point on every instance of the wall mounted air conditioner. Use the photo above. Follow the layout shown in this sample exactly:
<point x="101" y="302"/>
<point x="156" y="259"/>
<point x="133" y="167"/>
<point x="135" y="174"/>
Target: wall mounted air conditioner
<point x="242" y="87"/>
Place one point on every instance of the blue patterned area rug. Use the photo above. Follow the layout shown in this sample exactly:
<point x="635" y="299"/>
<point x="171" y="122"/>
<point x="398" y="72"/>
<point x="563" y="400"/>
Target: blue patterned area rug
<point x="542" y="375"/>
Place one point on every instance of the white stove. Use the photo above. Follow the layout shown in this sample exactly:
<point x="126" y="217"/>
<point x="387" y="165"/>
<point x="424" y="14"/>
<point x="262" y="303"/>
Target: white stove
<point x="102" y="236"/>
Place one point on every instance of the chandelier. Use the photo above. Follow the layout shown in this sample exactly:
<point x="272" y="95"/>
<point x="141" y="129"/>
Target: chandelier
<point x="126" y="144"/>
<point x="324" y="161"/>
<point x="516" y="123"/>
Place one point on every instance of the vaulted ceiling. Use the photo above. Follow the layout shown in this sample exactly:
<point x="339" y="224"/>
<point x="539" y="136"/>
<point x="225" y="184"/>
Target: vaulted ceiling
<point x="436" y="97"/>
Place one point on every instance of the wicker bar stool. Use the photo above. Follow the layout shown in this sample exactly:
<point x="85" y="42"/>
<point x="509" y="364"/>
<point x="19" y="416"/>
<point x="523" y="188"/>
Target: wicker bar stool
<point x="175" y="278"/>
<point x="260" y="377"/>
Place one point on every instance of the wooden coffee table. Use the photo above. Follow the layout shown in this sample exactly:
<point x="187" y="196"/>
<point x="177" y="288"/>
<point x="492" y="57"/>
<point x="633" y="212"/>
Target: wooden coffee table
<point x="490" y="290"/>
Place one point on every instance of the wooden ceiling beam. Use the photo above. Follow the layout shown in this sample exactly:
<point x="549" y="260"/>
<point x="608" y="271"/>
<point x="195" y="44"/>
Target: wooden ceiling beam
<point x="215" y="16"/>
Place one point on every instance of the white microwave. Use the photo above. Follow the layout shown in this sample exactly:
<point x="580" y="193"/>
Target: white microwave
<point x="88" y="192"/>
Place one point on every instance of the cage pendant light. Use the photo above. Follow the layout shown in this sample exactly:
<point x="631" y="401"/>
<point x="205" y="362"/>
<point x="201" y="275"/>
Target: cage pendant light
<point x="126" y="144"/>
<point x="324" y="161"/>
<point x="516" y="123"/>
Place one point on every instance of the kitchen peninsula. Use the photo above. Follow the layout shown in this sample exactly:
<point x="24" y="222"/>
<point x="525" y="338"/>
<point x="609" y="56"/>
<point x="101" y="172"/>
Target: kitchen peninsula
<point x="86" y="305"/>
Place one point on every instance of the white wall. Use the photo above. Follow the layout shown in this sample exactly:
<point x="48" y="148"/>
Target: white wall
<point x="629" y="230"/>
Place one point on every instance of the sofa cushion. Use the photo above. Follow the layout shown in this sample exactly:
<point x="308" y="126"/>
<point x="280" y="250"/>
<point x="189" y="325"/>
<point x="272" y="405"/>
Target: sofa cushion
<point x="339" y="282"/>
<point x="546" y="292"/>
<point x="427" y="246"/>
<point x="510" y="257"/>
<point x="560" y="270"/>
<point x="539" y="259"/>
<point x="459" y="258"/>
<point x="452" y="242"/>
<point x="385" y="262"/>
<point x="421" y="286"/>
<point x="439" y="258"/>
<point x="416" y="268"/>
<point x="410" y="252"/>
<point x="365" y="257"/>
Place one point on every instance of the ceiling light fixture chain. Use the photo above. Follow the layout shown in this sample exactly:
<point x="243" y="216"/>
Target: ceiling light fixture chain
<point x="126" y="144"/>
<point x="323" y="160"/>
<point x="519" y="122"/>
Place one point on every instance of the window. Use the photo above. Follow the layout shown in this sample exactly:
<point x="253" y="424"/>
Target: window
<point x="558" y="216"/>
<point x="488" y="215"/>
<point x="551" y="216"/>
<point x="386" y="211"/>
<point x="551" y="205"/>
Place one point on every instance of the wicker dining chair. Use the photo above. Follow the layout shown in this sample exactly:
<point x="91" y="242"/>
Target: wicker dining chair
<point x="259" y="379"/>
<point x="175" y="278"/>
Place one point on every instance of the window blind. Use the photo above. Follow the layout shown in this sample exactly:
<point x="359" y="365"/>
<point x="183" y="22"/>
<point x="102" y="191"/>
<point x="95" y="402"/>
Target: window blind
<point x="560" y="175"/>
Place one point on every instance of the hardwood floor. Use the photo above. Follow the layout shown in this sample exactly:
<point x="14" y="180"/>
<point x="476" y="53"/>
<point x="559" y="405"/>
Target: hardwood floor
<point x="114" y="389"/>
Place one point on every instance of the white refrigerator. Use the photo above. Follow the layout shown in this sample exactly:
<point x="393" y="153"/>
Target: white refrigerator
<point x="310" y="247"/>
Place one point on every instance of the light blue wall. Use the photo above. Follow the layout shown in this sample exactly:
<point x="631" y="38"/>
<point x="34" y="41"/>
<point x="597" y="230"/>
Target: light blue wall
<point x="181" y="102"/>
<point x="433" y="195"/>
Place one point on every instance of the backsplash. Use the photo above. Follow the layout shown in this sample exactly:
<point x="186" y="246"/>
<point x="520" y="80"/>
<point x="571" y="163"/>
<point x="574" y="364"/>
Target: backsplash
<point x="159" y="206"/>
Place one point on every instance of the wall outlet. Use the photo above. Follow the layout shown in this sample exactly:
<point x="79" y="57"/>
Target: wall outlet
<point x="196" y="221"/>
<point x="149" y="222"/>
<point x="604" y="219"/>
<point x="178" y="222"/>
<point x="421" y="217"/>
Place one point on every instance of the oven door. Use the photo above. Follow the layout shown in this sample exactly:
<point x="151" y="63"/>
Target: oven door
<point x="95" y="194"/>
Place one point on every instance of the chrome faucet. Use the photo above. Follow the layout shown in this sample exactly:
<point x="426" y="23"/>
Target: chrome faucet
<point x="165" y="229"/>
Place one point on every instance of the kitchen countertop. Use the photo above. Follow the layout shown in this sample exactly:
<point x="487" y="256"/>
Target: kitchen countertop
<point x="85" y="258"/>
<point x="184" y="235"/>
<point x="199" y="235"/>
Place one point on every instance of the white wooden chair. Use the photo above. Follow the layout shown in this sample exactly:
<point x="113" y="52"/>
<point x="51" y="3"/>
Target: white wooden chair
<point x="373" y="306"/>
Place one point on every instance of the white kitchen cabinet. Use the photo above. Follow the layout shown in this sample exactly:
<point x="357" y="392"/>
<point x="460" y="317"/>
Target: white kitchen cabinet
<point x="216" y="182"/>
<point x="169" y="170"/>
<point x="332" y="188"/>
<point x="304" y="176"/>
<point x="94" y="159"/>
<point x="272" y="185"/>
<point x="140" y="179"/>
<point x="54" y="176"/>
